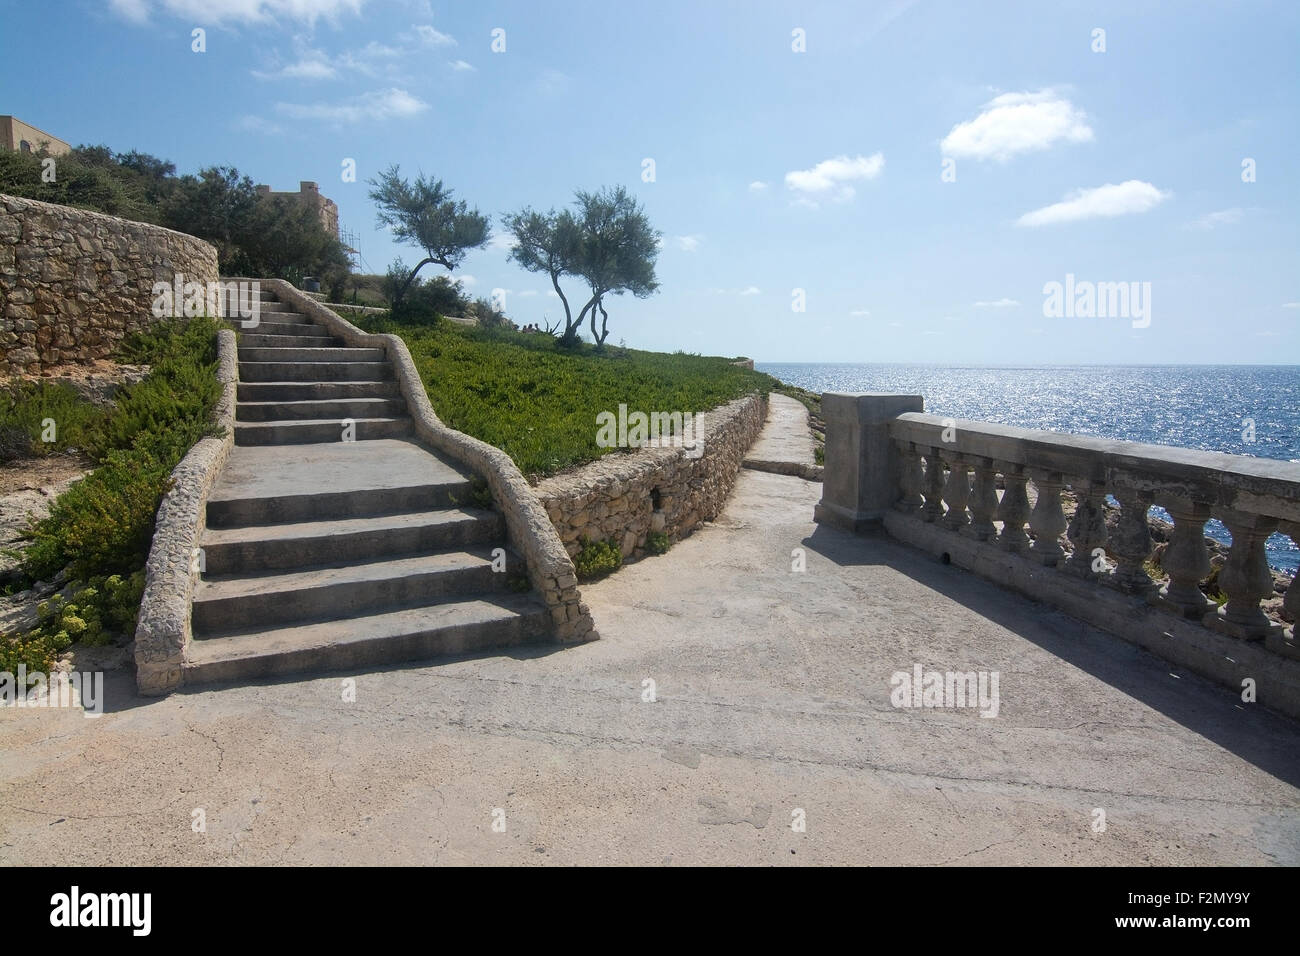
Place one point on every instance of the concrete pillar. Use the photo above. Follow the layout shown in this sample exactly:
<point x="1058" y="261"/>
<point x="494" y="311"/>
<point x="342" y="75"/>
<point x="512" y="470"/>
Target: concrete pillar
<point x="861" y="476"/>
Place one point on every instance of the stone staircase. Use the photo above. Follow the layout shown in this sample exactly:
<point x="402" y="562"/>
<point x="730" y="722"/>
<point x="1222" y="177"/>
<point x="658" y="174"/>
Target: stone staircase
<point x="335" y="541"/>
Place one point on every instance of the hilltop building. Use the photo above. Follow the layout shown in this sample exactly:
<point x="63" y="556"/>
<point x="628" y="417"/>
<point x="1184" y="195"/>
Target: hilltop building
<point x="20" y="136"/>
<point x="309" y="193"/>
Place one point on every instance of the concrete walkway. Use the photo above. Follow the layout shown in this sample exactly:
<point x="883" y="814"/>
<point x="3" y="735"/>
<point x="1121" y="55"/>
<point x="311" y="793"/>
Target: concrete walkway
<point x="771" y="704"/>
<point x="785" y="446"/>
<point x="771" y="695"/>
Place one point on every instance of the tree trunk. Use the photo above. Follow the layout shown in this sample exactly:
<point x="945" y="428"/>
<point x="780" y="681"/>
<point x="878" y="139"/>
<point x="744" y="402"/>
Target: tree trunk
<point x="599" y="337"/>
<point x="590" y="304"/>
<point x="406" y="285"/>
<point x="569" y="328"/>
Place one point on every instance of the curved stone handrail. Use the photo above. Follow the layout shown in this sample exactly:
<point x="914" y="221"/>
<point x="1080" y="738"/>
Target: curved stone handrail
<point x="550" y="569"/>
<point x="163" y="631"/>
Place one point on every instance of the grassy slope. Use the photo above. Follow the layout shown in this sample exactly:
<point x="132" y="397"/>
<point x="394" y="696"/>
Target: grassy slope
<point x="539" y="403"/>
<point x="100" y="528"/>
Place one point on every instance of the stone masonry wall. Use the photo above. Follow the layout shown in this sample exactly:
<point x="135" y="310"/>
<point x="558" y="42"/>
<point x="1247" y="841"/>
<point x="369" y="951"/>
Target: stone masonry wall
<point x="615" y="496"/>
<point x="73" y="283"/>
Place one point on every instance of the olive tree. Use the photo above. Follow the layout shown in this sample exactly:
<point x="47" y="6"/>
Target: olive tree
<point x="424" y="214"/>
<point x="618" y="252"/>
<point x="550" y="243"/>
<point x="607" y="242"/>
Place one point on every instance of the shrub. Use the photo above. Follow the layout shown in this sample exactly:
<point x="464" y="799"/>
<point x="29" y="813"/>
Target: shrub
<point x="103" y="524"/>
<point x="24" y="409"/>
<point x="35" y="652"/>
<point x="596" y="559"/>
<point x="656" y="542"/>
<point x="103" y="608"/>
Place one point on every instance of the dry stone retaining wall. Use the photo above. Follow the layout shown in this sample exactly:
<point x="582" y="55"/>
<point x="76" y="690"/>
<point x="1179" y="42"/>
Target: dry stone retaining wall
<point x="627" y="496"/>
<point x="73" y="283"/>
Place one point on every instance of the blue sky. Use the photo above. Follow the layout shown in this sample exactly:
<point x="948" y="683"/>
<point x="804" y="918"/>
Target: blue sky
<point x="775" y="170"/>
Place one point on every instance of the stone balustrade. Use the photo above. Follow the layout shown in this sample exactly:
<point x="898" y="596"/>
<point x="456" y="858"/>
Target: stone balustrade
<point x="934" y="482"/>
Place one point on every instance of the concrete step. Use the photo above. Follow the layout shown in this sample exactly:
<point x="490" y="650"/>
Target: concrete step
<point x="285" y="316"/>
<point x="314" y="371"/>
<point x="266" y="485"/>
<point x="266" y="305"/>
<point x="315" y="391"/>
<point x="273" y="341"/>
<point x="274" y="598"/>
<point x="320" y="431"/>
<point x="331" y="409"/>
<point x="391" y="637"/>
<point x="318" y="506"/>
<point x="299" y="544"/>
<point x="309" y="355"/>
<point x="277" y="328"/>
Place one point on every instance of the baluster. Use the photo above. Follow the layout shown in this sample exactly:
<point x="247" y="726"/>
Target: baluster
<point x="933" y="509"/>
<point x="1289" y="641"/>
<point x="1131" y="542"/>
<point x="1013" y="510"/>
<point x="1047" y="520"/>
<point x="1245" y="578"/>
<point x="1186" y="559"/>
<point x="983" y="501"/>
<point x="910" y="479"/>
<point x="956" y="492"/>
<point x="1087" y="530"/>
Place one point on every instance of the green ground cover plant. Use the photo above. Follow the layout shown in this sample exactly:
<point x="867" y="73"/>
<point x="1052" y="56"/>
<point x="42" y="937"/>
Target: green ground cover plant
<point x="538" y="402"/>
<point x="100" y="529"/>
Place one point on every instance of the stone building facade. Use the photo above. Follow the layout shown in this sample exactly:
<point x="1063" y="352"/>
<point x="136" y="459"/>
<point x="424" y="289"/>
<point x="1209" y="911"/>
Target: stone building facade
<point x="310" y="193"/>
<point x="23" y="137"/>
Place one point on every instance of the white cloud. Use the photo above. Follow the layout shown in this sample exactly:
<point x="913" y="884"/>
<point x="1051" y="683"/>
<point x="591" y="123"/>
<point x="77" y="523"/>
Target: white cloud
<point x="466" y="280"/>
<point x="996" y="304"/>
<point x="750" y="290"/>
<point x="377" y="50"/>
<point x="1018" y="123"/>
<point x="528" y="293"/>
<point x="1132" y="196"/>
<point x="553" y="83"/>
<point x="255" y="124"/>
<point x="137" y="11"/>
<point x="831" y="177"/>
<point x="460" y="66"/>
<point x="1291" y="305"/>
<point x="431" y="37"/>
<point x="1223" y="217"/>
<point x="378" y="105"/>
<point x="757" y="186"/>
<point x="238" y="11"/>
<point x="310" y="65"/>
<point x="501" y="241"/>
<point x="895" y="325"/>
<point x="688" y="243"/>
<point x="860" y="312"/>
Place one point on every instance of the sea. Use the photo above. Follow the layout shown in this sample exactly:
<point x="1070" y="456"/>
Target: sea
<point x="1237" y="409"/>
